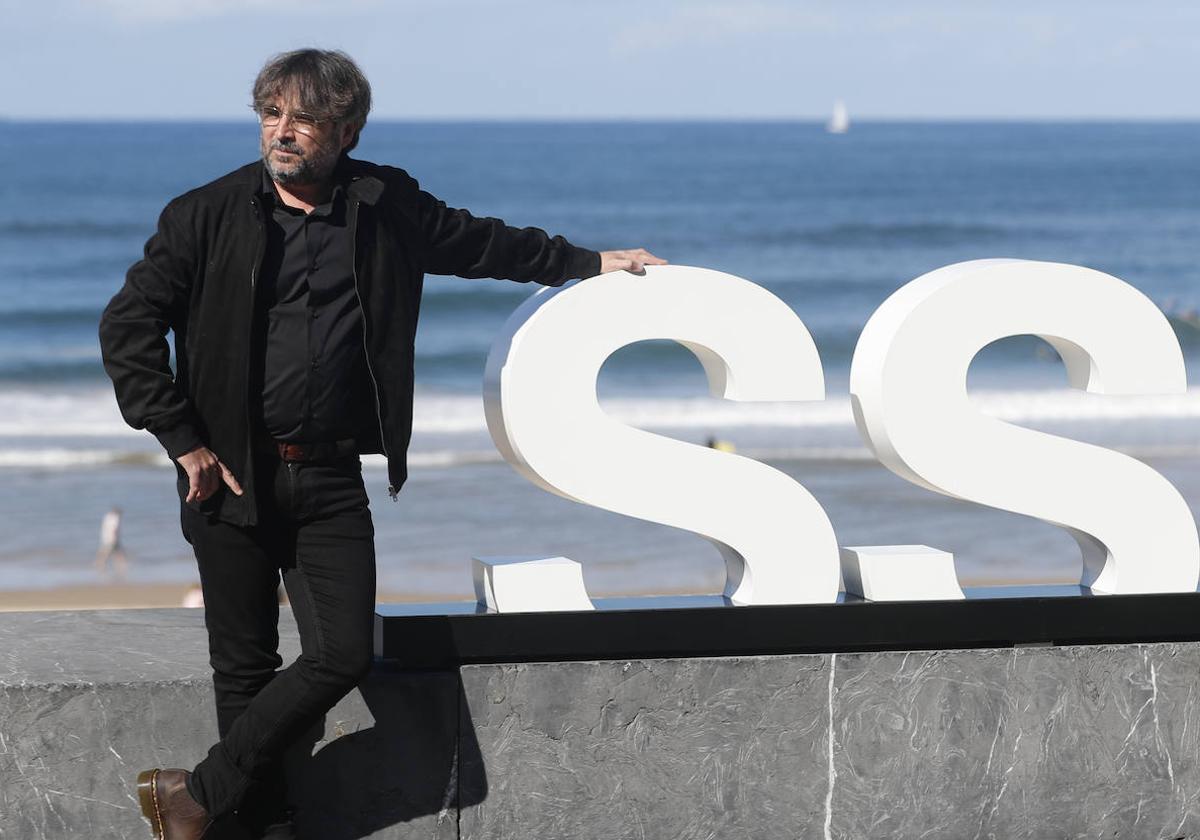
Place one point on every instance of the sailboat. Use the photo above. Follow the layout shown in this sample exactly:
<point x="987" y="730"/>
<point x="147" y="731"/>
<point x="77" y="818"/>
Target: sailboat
<point x="839" y="122"/>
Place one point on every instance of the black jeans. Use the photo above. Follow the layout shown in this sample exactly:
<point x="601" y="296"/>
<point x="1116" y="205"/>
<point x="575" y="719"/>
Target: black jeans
<point x="315" y="528"/>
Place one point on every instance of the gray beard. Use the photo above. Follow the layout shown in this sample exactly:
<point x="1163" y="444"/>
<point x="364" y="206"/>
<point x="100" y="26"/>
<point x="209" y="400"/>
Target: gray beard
<point x="309" y="168"/>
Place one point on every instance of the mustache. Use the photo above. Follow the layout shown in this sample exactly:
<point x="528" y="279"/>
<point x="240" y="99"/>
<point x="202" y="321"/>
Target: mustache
<point x="286" y="146"/>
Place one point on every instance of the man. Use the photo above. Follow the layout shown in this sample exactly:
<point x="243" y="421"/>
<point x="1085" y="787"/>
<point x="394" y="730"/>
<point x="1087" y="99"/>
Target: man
<point x="292" y="286"/>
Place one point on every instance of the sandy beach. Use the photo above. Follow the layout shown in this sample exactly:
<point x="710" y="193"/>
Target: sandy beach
<point x="122" y="596"/>
<point x="132" y="596"/>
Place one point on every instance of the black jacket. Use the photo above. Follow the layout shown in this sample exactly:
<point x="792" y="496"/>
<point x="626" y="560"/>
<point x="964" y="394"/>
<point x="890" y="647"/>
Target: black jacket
<point x="198" y="278"/>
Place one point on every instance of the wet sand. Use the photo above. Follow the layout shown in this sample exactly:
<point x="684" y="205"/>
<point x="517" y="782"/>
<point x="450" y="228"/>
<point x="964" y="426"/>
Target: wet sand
<point x="132" y="596"/>
<point x="125" y="596"/>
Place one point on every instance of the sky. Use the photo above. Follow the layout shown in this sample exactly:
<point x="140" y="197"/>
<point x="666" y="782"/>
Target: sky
<point x="601" y="59"/>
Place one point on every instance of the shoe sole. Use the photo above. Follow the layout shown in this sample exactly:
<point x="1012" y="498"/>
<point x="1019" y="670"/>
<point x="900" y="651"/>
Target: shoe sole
<point x="147" y="789"/>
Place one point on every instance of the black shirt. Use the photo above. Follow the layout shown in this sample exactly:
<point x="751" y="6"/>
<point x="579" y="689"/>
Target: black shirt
<point x="309" y="324"/>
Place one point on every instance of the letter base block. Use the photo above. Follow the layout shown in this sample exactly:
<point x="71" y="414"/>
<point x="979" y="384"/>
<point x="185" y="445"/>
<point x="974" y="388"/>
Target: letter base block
<point x="900" y="573"/>
<point x="530" y="584"/>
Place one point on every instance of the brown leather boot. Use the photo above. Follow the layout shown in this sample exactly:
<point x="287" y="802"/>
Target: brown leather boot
<point x="166" y="803"/>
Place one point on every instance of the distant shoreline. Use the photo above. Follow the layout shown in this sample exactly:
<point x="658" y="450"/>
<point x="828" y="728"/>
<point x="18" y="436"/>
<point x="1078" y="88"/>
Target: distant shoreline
<point x="124" y="596"/>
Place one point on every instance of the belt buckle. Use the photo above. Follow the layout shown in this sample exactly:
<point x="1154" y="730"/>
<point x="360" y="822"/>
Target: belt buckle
<point x="293" y="451"/>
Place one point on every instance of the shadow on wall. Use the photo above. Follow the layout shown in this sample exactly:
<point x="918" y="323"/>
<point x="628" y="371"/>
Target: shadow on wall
<point x="404" y="769"/>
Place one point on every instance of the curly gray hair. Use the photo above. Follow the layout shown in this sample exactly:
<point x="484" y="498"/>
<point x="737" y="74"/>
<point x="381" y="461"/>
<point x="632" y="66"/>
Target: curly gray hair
<point x="326" y="82"/>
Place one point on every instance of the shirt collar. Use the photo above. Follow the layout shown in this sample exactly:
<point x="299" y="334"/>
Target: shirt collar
<point x="339" y="189"/>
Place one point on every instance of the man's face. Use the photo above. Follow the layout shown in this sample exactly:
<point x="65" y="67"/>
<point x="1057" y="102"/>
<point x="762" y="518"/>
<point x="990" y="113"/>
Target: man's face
<point x="298" y="152"/>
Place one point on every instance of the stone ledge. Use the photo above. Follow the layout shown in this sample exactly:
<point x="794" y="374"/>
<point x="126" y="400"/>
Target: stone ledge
<point x="89" y="698"/>
<point x="1005" y="743"/>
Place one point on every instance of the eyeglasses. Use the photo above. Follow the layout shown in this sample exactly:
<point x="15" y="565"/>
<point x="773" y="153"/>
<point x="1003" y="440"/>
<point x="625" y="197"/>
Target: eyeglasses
<point x="302" y="121"/>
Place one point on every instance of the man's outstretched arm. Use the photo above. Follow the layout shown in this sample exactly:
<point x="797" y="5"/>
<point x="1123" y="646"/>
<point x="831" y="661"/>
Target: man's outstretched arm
<point x="457" y="242"/>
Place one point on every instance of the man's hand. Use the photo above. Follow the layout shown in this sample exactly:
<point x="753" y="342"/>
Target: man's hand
<point x="205" y="474"/>
<point x="632" y="260"/>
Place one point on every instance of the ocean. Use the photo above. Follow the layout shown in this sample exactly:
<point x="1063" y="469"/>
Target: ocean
<point x="831" y="224"/>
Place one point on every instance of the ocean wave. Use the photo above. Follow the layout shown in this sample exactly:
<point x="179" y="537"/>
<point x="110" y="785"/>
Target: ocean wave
<point x="51" y="316"/>
<point x="462" y="414"/>
<point x="72" y="229"/>
<point x="61" y="413"/>
<point x="82" y="368"/>
<point x="54" y="266"/>
<point x="909" y="234"/>
<point x="53" y="459"/>
<point x="93" y="413"/>
<point x="62" y="458"/>
<point x="660" y="359"/>
<point x="66" y="459"/>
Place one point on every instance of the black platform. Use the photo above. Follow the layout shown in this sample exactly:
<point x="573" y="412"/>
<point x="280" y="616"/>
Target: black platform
<point x="445" y="635"/>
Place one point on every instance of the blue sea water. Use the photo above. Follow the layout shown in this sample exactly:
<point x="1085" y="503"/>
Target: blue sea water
<point x="830" y="224"/>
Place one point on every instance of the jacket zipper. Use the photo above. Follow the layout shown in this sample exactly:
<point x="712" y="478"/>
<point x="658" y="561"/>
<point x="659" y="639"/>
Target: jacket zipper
<point x="251" y="515"/>
<point x="392" y="489"/>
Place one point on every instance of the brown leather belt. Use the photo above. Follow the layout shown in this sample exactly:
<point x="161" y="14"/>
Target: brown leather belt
<point x="304" y="452"/>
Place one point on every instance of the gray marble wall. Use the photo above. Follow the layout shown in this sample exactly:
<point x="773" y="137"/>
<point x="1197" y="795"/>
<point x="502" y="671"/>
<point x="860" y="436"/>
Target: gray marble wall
<point x="87" y="699"/>
<point x="1026" y="743"/>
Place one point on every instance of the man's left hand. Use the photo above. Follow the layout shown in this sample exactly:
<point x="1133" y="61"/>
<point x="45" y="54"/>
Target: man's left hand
<point x="633" y="261"/>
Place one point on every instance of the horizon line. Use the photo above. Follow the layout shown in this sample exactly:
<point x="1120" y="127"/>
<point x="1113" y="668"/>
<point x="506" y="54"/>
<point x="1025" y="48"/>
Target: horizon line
<point x="797" y="120"/>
